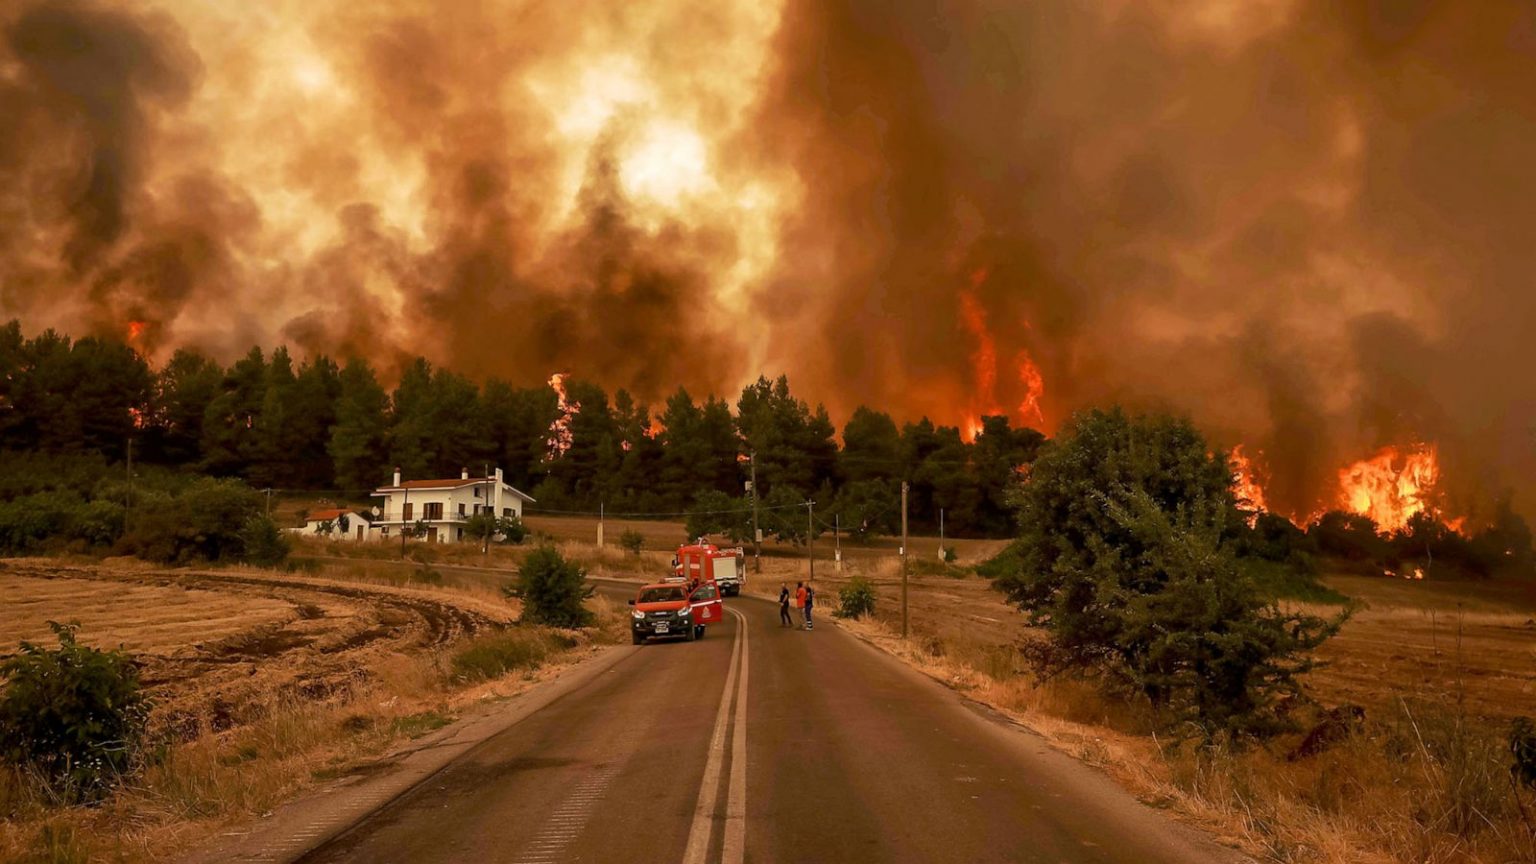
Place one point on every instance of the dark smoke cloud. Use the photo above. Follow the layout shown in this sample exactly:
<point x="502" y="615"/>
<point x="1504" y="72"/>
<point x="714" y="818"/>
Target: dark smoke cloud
<point x="1304" y="223"/>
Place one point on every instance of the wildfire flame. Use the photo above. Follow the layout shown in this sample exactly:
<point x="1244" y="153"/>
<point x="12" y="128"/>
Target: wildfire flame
<point x="560" y="429"/>
<point x="1245" y="485"/>
<point x="1392" y="486"/>
<point x="984" y="366"/>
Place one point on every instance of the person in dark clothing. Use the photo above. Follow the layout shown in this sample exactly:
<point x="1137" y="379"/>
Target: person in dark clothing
<point x="784" y="619"/>
<point x="810" y="600"/>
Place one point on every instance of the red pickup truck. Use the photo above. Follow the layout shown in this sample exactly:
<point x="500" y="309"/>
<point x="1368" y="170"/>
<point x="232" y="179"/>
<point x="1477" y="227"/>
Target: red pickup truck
<point x="669" y="609"/>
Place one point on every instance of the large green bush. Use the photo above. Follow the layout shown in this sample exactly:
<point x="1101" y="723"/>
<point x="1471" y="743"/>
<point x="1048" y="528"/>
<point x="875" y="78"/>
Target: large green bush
<point x="553" y="590"/>
<point x="856" y="599"/>
<point x="207" y="521"/>
<point x="73" y="715"/>
<point x="1127" y="557"/>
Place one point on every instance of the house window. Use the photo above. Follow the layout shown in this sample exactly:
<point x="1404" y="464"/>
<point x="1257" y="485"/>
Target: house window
<point x="507" y="512"/>
<point x="410" y="510"/>
<point x="383" y="530"/>
<point x="461" y="509"/>
<point x="477" y="491"/>
<point x="434" y="511"/>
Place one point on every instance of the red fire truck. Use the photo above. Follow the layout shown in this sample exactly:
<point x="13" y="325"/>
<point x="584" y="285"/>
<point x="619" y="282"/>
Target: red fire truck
<point x="705" y="562"/>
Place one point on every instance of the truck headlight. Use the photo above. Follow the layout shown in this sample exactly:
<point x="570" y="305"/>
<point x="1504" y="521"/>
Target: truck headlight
<point x="683" y="613"/>
<point x="637" y="615"/>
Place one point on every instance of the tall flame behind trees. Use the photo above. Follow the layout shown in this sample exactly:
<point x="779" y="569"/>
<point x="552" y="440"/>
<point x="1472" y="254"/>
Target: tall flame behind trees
<point x="984" y="366"/>
<point x="1245" y="485"/>
<point x="560" y="429"/>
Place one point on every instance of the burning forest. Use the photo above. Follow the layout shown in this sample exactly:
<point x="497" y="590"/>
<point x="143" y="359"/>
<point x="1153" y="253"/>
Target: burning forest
<point x="1300" y="223"/>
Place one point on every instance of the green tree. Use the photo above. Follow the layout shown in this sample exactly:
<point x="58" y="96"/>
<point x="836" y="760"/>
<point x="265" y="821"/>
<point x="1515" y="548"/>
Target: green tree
<point x="1122" y="556"/>
<point x="75" y="715"/>
<point x="357" y="437"/>
<point x="553" y="590"/>
<point x="871" y="447"/>
<point x="793" y="445"/>
<point x="184" y="388"/>
<point x="867" y="508"/>
<point x="716" y="514"/>
<point x="632" y="541"/>
<point x="262" y="542"/>
<point x="230" y="442"/>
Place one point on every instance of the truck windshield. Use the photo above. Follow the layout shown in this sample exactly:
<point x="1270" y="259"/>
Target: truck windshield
<point x="661" y="595"/>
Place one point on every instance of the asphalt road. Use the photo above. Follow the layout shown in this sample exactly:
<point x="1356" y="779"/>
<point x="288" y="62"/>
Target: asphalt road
<point x="765" y="744"/>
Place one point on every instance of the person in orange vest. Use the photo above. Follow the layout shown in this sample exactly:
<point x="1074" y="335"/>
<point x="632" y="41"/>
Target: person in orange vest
<point x="800" y="595"/>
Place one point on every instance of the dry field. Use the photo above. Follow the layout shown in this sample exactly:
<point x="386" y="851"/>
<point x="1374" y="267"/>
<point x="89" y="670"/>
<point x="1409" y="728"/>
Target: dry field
<point x="265" y="684"/>
<point x="217" y="645"/>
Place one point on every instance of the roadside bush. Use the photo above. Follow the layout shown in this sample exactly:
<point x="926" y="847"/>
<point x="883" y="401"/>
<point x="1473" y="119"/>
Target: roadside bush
<point x="632" y="540"/>
<point x="262" y="543"/>
<point x="553" y="590"/>
<point x="856" y="599"/>
<point x="73" y="716"/>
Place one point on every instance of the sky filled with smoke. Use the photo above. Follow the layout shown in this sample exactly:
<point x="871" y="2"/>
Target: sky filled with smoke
<point x="1303" y="223"/>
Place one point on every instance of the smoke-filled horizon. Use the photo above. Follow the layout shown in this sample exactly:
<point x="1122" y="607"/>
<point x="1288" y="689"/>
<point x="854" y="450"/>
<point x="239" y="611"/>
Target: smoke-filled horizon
<point x="1300" y="222"/>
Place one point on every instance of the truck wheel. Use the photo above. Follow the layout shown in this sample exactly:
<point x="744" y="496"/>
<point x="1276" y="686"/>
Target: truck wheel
<point x="688" y="636"/>
<point x="698" y="632"/>
<point x="639" y="640"/>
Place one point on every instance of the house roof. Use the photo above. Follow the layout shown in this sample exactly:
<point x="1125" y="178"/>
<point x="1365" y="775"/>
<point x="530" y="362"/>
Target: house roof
<point x="452" y="483"/>
<point x="323" y="515"/>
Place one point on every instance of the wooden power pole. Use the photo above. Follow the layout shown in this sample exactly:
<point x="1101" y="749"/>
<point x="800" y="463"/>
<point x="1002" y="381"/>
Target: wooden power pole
<point x="903" y="559"/>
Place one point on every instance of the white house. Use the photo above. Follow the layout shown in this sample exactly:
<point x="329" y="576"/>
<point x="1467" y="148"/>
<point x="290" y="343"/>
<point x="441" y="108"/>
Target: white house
<point x="445" y="505"/>
<point x="344" y="524"/>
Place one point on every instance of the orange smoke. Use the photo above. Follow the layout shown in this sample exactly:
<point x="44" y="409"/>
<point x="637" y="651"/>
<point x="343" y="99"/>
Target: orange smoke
<point x="1245" y="485"/>
<point x="1392" y="486"/>
<point x="560" y="429"/>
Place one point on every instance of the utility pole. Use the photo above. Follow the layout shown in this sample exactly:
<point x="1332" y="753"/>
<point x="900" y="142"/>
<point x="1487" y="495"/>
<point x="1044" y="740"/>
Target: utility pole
<point x="903" y="559"/>
<point x="757" y="534"/>
<point x="837" y="540"/>
<point x="405" y="507"/>
<point x="943" y="559"/>
<point x="601" y="515"/>
<point x="268" y="490"/>
<point x="490" y="523"/>
<point x="810" y="537"/>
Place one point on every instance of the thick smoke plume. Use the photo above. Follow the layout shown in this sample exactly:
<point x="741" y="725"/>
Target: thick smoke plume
<point x="1304" y="223"/>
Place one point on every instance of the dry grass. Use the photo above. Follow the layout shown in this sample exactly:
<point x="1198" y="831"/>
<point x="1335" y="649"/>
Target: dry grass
<point x="231" y="765"/>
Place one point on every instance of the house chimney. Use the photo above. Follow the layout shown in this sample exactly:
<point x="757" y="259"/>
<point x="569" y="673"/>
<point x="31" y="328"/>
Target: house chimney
<point x="498" y="475"/>
<point x="463" y="473"/>
<point x="397" y="475"/>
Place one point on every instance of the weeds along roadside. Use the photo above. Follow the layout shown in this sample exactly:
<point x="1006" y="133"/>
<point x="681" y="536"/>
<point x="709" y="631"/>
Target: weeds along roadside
<point x="1421" y="781"/>
<point x="193" y="788"/>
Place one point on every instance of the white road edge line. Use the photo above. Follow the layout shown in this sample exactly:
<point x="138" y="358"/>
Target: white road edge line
<point x="709" y="790"/>
<point x="734" y="849"/>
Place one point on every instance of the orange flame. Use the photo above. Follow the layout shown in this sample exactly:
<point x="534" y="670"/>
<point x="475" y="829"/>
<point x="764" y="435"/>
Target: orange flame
<point x="1391" y="487"/>
<point x="136" y="330"/>
<point x="1034" y="389"/>
<point x="1245" y="485"/>
<point x="984" y="366"/>
<point x="560" y="430"/>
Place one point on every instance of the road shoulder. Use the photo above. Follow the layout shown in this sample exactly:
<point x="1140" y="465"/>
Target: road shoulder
<point x="325" y="813"/>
